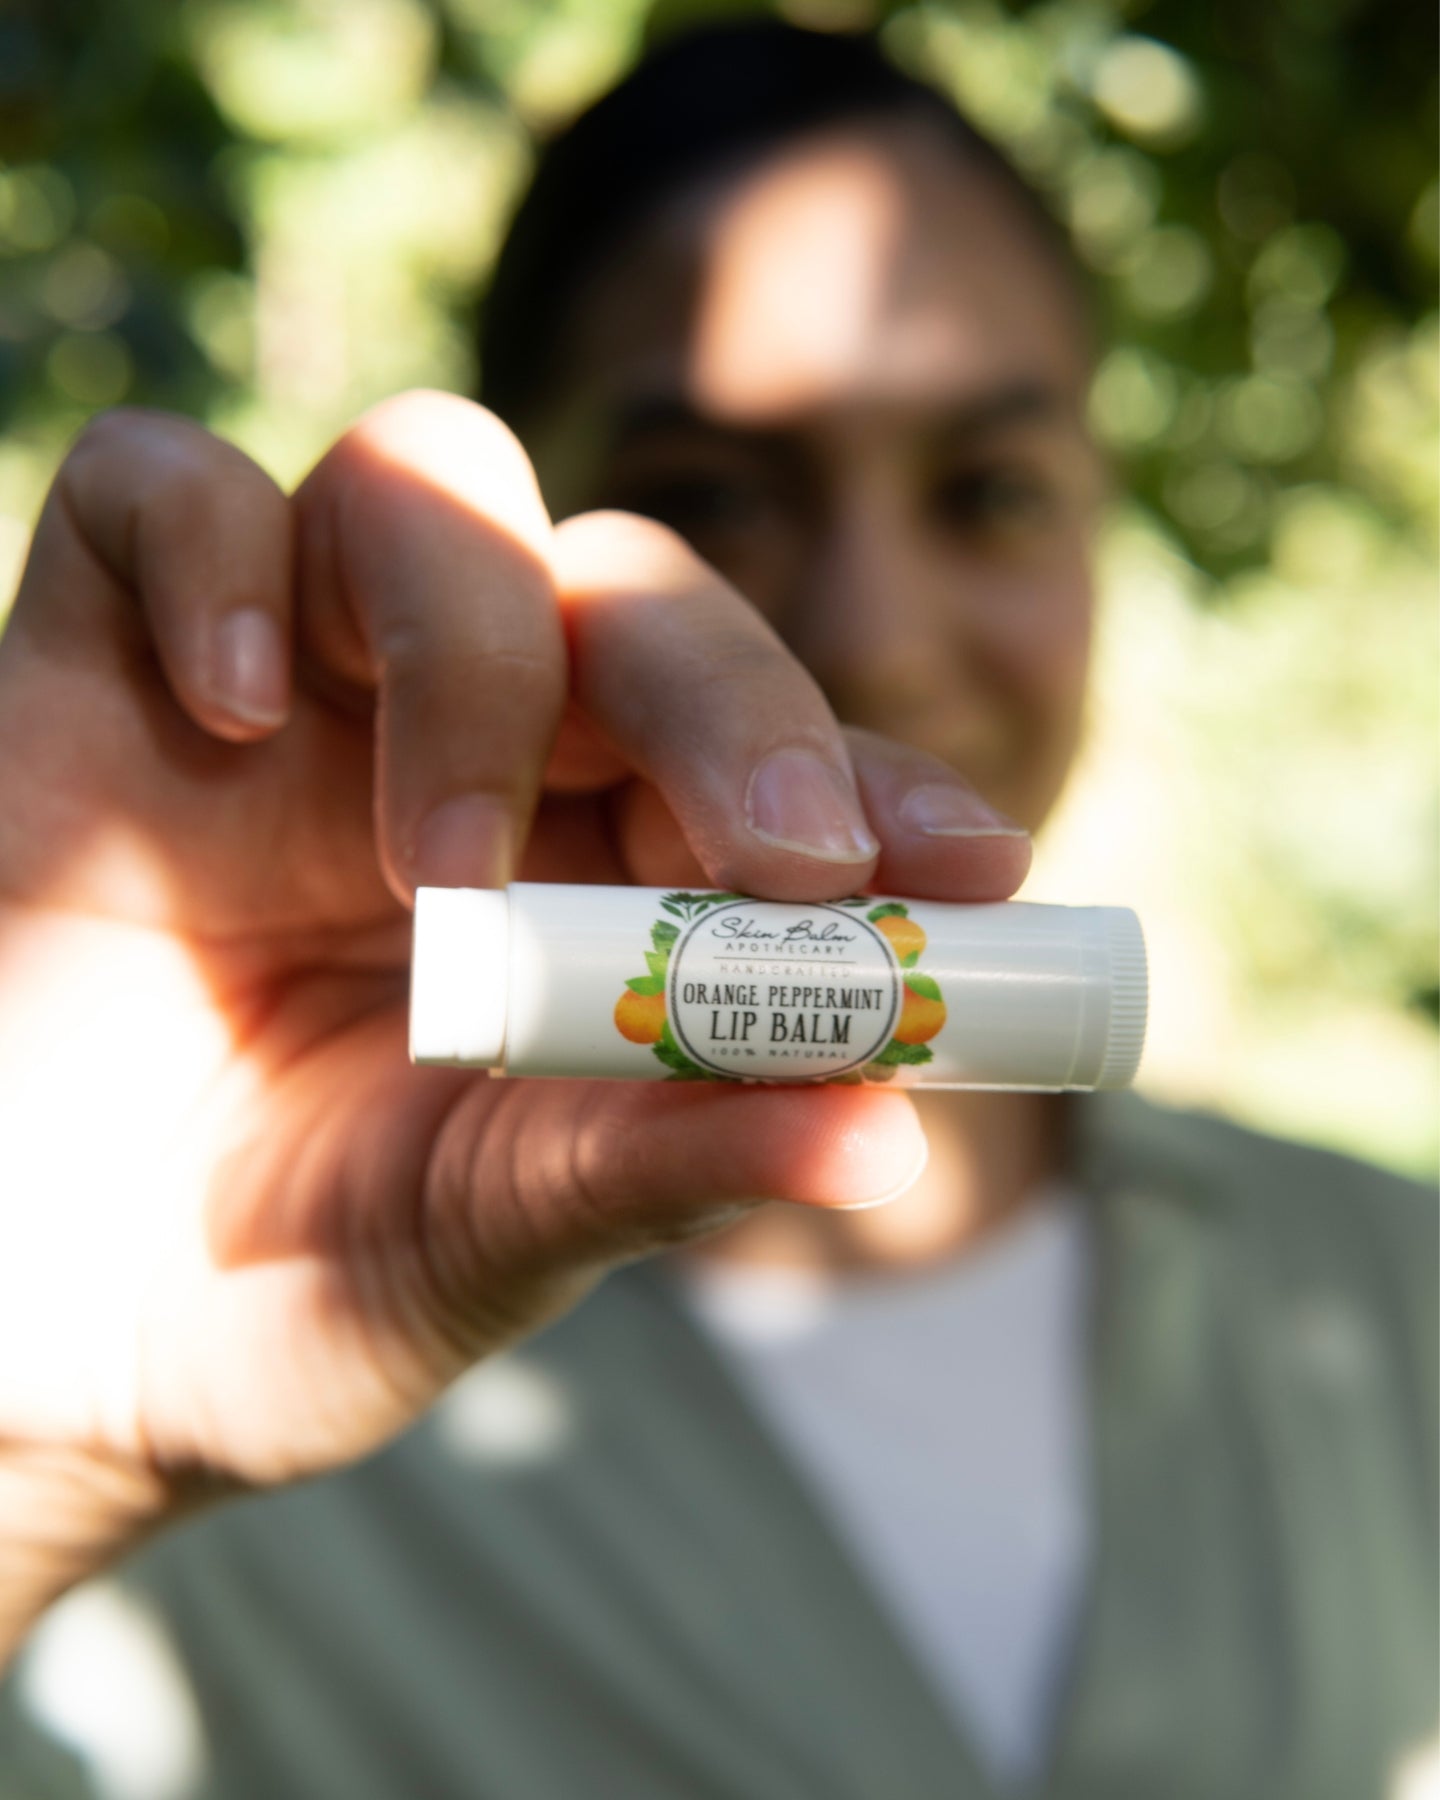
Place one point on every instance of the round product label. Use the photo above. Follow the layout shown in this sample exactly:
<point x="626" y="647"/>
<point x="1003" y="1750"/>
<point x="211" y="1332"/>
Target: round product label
<point x="781" y="992"/>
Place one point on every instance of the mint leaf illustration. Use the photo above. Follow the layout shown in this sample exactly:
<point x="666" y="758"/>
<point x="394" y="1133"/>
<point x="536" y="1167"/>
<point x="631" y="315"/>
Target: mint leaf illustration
<point x="890" y="909"/>
<point x="674" y="1058"/>
<point x="689" y="906"/>
<point x="647" y="984"/>
<point x="895" y="1053"/>
<point x="923" y="987"/>
<point x="663" y="934"/>
<point x="657" y="961"/>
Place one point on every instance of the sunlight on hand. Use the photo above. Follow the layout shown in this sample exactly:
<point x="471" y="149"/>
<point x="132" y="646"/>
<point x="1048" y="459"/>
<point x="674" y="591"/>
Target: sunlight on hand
<point x="114" y="1059"/>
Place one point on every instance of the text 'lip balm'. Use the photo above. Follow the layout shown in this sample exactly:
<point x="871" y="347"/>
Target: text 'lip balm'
<point x="649" y="984"/>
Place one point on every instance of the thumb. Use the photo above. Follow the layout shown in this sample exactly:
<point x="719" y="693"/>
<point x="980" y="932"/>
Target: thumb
<point x="559" y="1178"/>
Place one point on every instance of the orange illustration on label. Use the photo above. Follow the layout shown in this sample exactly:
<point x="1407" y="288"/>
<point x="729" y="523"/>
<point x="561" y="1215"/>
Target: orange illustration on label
<point x="640" y="1010"/>
<point x="640" y="1017"/>
<point x="922" y="1012"/>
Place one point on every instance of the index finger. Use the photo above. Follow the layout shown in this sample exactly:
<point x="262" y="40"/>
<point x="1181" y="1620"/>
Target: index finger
<point x="423" y="546"/>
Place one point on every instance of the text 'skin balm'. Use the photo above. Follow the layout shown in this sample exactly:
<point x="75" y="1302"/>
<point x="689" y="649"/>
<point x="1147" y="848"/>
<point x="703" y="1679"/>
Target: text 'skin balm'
<point x="647" y="984"/>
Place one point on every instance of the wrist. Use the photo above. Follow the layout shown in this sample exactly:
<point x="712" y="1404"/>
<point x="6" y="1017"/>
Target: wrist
<point x="66" y="1514"/>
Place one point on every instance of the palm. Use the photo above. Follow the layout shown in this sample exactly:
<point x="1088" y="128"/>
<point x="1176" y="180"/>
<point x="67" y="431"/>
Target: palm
<point x="219" y="913"/>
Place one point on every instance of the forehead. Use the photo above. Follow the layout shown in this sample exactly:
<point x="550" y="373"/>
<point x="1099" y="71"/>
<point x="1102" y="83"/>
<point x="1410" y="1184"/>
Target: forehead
<point x="866" y="265"/>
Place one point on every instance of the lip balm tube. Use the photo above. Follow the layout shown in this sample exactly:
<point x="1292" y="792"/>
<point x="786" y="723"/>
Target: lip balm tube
<point x="648" y="984"/>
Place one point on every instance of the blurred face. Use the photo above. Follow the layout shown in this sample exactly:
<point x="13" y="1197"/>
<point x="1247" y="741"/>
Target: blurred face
<point x="853" y="378"/>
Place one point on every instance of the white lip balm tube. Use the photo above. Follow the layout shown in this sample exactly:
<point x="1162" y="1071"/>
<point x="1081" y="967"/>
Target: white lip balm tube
<point x="647" y="984"/>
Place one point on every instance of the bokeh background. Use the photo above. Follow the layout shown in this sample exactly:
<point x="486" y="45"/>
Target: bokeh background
<point x="269" y="213"/>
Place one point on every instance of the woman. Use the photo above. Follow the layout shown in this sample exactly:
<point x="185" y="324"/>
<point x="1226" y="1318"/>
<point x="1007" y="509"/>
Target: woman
<point x="1134" y="1500"/>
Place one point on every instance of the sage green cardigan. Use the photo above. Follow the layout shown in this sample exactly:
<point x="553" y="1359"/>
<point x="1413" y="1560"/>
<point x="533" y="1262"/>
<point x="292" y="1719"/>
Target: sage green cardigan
<point x="652" y="1606"/>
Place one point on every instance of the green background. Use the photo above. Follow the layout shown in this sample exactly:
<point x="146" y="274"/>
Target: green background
<point x="269" y="215"/>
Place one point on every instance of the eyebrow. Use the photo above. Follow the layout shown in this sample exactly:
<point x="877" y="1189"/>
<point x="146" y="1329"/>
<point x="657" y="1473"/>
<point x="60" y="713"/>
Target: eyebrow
<point x="1018" y="402"/>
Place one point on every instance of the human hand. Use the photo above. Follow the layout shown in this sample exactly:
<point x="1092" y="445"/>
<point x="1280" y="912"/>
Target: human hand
<point x="241" y="1240"/>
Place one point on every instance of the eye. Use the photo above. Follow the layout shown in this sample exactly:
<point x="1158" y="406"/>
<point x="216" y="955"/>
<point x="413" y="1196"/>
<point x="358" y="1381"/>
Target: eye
<point x="997" y="499"/>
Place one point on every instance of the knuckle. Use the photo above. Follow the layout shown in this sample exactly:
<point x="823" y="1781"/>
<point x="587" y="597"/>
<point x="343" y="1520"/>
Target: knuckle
<point x="421" y="650"/>
<point x="128" y="431"/>
<point x="103" y="430"/>
<point x="739" y="668"/>
<point x="158" y="461"/>
<point x="112" y="437"/>
<point x="610" y="548"/>
<point x="420" y="411"/>
<point x="437" y="434"/>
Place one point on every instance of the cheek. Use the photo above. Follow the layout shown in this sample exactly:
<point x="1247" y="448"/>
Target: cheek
<point x="1039" y="642"/>
<point x="1038" y="656"/>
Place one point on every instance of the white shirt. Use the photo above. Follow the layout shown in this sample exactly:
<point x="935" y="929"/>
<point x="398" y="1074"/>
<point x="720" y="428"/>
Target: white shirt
<point x="940" y="1418"/>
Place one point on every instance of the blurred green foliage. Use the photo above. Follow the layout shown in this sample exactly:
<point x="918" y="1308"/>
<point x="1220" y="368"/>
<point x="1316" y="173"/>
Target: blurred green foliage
<point x="268" y="213"/>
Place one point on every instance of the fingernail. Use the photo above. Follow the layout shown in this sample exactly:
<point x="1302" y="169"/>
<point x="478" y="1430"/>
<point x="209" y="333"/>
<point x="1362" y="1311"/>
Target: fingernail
<point x="945" y="809"/>
<point x="798" y="801"/>
<point x="251" y="672"/>
<point x="464" y="842"/>
<point x="895" y="1192"/>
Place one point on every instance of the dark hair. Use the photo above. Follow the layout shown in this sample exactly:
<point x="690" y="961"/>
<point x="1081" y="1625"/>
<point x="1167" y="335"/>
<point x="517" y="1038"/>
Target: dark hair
<point x="709" y="97"/>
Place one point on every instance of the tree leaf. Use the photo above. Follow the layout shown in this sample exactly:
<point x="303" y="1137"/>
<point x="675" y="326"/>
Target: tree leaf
<point x="647" y="984"/>
<point x="923" y="987"/>
<point x="657" y="962"/>
<point x="891" y="909"/>
<point x="663" y="934"/>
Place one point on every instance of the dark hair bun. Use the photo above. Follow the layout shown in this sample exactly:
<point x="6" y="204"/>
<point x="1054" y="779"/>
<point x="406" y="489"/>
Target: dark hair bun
<point x="708" y="97"/>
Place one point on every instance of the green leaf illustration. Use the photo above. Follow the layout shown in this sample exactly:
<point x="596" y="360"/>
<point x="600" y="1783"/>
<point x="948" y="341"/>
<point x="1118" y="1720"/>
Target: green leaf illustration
<point x="688" y="906"/>
<point x="909" y="962"/>
<point x="674" y="1058"/>
<point x="663" y="934"/>
<point x="657" y="962"/>
<point x="891" y="909"/>
<point x="647" y="984"/>
<point x="923" y="987"/>
<point x="895" y="1053"/>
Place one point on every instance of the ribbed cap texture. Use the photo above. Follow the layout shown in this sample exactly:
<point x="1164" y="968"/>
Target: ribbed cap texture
<point x="1129" y="999"/>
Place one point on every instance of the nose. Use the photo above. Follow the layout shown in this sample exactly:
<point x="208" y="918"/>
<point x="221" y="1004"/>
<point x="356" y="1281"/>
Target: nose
<point x="873" y="621"/>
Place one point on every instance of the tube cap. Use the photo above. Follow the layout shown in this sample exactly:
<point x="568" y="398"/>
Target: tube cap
<point x="1129" y="998"/>
<point x="459" y="976"/>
